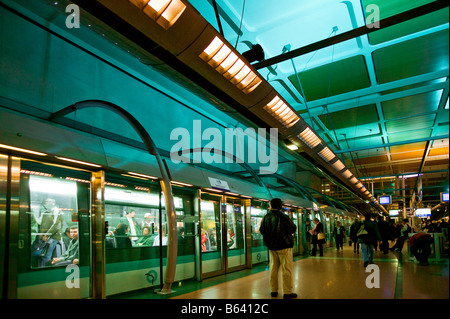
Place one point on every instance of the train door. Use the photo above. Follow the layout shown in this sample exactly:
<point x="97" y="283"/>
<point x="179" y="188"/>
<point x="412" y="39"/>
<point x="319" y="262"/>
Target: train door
<point x="235" y="234"/>
<point x="294" y="217"/>
<point x="260" y="253"/>
<point x="222" y="235"/>
<point x="48" y="231"/>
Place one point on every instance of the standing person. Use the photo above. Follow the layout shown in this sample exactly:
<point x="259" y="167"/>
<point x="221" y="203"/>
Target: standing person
<point x="133" y="226"/>
<point x="353" y="231"/>
<point x="338" y="234"/>
<point x="368" y="234"/>
<point x="383" y="227"/>
<point x="277" y="230"/>
<point x="318" y="229"/>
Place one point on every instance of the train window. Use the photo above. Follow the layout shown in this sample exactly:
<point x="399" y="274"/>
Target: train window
<point x="133" y="218"/>
<point x="235" y="225"/>
<point x="210" y="232"/>
<point x="53" y="221"/>
<point x="257" y="215"/>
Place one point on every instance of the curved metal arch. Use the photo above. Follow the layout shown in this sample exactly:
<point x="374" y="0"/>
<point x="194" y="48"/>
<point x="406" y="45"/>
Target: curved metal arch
<point x="172" y="245"/>
<point x="247" y="167"/>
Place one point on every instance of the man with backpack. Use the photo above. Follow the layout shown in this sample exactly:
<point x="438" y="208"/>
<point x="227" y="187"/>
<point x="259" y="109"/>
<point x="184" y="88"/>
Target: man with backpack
<point x="368" y="235"/>
<point x="277" y="230"/>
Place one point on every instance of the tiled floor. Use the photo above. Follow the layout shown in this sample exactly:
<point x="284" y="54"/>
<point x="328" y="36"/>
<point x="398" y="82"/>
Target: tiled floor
<point x="336" y="275"/>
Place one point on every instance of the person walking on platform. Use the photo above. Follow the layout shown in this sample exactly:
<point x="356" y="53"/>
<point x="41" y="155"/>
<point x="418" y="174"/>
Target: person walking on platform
<point x="316" y="233"/>
<point x="383" y="227"/>
<point x="368" y="234"/>
<point x="353" y="231"/>
<point x="420" y="247"/>
<point x="338" y="234"/>
<point x="277" y="230"/>
<point x="405" y="230"/>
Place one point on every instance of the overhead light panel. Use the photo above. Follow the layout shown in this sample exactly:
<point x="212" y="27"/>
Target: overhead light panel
<point x="164" y="12"/>
<point x="77" y="161"/>
<point x="21" y="150"/>
<point x="282" y="112"/>
<point x="339" y="166"/>
<point x="353" y="180"/>
<point x="308" y="136"/>
<point x="219" y="56"/>
<point x="326" y="154"/>
<point x="347" y="173"/>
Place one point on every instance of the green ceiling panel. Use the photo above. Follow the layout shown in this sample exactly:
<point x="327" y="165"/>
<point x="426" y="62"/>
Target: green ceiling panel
<point x="413" y="57"/>
<point x="334" y="78"/>
<point x="410" y="124"/>
<point x="350" y="117"/>
<point x="409" y="27"/>
<point x="412" y="105"/>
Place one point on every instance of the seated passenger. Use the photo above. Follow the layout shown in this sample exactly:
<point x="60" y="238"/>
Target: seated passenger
<point x="146" y="239"/>
<point x="71" y="254"/>
<point x="164" y="239"/>
<point x="121" y="236"/>
<point x="39" y="250"/>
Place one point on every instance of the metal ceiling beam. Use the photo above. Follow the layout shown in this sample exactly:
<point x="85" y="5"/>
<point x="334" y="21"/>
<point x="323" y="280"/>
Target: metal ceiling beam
<point x="366" y="29"/>
<point x="426" y="139"/>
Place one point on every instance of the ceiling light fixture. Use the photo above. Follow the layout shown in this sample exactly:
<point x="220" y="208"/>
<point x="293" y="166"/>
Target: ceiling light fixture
<point x="327" y="154"/>
<point x="77" y="161"/>
<point x="308" y="136"/>
<point x="219" y="56"/>
<point x="282" y="112"/>
<point x="21" y="150"/>
<point x="164" y="12"/>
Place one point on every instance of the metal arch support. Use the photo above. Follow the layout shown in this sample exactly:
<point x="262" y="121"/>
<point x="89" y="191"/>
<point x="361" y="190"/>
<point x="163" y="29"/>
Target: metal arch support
<point x="166" y="188"/>
<point x="233" y="157"/>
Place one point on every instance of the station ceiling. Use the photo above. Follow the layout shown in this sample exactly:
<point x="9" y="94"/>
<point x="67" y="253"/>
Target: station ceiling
<point x="380" y="100"/>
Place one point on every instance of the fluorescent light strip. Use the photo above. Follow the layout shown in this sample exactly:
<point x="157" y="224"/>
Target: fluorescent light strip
<point x="326" y="154"/>
<point x="142" y="175"/>
<point x="353" y="180"/>
<point x="339" y="166"/>
<point x="163" y="12"/>
<point x="212" y="190"/>
<point x="282" y="112"/>
<point x="181" y="184"/>
<point x="140" y="188"/>
<point x="219" y="56"/>
<point x="308" y="136"/>
<point x="77" y="180"/>
<point x="347" y="173"/>
<point x="21" y="150"/>
<point x="115" y="185"/>
<point x="24" y="171"/>
<point x="77" y="161"/>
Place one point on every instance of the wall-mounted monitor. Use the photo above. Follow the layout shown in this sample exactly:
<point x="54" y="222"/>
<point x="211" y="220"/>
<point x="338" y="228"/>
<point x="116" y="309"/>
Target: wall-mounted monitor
<point x="394" y="212"/>
<point x="385" y="200"/>
<point x="423" y="212"/>
<point x="444" y="197"/>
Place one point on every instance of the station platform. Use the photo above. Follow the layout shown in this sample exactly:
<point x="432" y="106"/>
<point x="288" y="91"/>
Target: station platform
<point x="336" y="275"/>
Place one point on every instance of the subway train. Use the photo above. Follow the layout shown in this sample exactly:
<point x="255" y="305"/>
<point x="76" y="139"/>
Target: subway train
<point x="218" y="229"/>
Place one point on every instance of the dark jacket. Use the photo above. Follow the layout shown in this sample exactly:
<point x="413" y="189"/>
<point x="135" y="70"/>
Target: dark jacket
<point x="342" y="228"/>
<point x="373" y="233"/>
<point x="277" y="230"/>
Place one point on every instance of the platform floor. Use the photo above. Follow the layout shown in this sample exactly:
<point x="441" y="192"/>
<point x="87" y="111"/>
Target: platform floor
<point x="336" y="275"/>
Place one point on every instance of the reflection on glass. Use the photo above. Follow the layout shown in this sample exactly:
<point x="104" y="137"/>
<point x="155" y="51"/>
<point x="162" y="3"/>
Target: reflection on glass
<point x="54" y="236"/>
<point x="209" y="227"/>
<point x="133" y="218"/>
